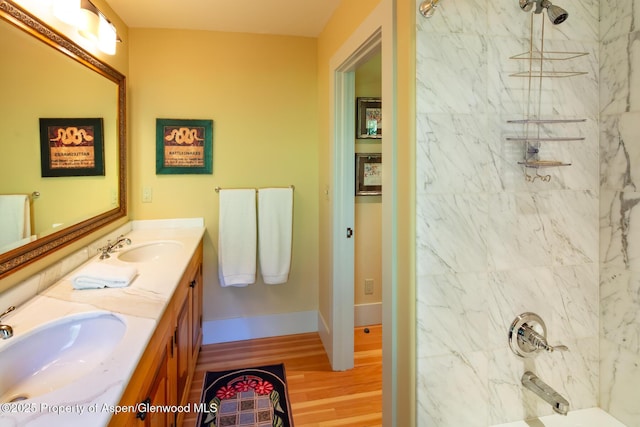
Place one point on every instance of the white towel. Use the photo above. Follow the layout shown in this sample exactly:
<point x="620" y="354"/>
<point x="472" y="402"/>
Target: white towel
<point x="275" y="222"/>
<point x="99" y="275"/>
<point x="16" y="218"/>
<point x="237" y="240"/>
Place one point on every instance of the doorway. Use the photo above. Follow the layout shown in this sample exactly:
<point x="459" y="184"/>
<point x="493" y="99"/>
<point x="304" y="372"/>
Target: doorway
<point x="343" y="258"/>
<point x="336" y="324"/>
<point x="368" y="199"/>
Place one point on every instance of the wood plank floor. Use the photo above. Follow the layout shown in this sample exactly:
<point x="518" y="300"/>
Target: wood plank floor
<point x="319" y="396"/>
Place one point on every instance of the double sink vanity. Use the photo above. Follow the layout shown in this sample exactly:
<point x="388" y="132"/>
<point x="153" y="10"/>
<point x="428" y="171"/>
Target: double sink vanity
<point x="111" y="356"/>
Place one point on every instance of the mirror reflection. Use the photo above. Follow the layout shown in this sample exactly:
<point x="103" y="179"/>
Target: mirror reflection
<point x="41" y="211"/>
<point x="45" y="84"/>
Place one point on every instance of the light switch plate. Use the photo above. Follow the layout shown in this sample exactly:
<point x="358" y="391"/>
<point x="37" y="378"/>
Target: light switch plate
<point x="147" y="195"/>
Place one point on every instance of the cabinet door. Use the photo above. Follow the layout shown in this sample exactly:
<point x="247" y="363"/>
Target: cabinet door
<point x="196" y="315"/>
<point x="158" y="396"/>
<point x="183" y="349"/>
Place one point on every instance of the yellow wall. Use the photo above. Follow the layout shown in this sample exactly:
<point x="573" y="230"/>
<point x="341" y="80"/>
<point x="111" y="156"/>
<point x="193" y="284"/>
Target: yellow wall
<point x="261" y="93"/>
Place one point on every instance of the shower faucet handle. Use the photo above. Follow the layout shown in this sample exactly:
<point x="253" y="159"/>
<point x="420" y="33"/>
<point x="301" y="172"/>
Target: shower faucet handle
<point x="538" y="341"/>
<point x="528" y="336"/>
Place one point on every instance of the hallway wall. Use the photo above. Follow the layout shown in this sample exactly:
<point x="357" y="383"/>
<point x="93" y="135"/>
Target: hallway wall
<point x="490" y="244"/>
<point x="368" y="209"/>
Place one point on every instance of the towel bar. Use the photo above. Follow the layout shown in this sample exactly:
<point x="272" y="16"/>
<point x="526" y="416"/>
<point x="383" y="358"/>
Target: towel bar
<point x="252" y="188"/>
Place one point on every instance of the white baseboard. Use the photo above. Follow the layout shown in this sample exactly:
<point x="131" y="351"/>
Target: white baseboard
<point x="325" y="336"/>
<point x="245" y="328"/>
<point x="367" y="314"/>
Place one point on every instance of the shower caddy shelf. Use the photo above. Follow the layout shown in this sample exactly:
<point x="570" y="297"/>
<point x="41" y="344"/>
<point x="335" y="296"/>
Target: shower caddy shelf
<point x="548" y="56"/>
<point x="532" y="144"/>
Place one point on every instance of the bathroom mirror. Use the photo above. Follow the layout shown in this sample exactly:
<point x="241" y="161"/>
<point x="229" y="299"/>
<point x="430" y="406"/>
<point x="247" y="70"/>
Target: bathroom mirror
<point x="45" y="75"/>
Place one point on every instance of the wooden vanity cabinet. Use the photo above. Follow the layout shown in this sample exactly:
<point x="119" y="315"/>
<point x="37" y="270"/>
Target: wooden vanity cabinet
<point x="165" y="371"/>
<point x="158" y="393"/>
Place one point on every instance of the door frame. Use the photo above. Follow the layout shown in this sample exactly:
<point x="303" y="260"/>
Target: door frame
<point x="377" y="32"/>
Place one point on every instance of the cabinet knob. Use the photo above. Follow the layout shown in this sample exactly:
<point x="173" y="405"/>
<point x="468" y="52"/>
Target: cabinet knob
<point x="193" y="284"/>
<point x="142" y="414"/>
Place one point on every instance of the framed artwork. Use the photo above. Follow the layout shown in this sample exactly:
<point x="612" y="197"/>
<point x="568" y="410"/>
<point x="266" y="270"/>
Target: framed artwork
<point x="369" y="118"/>
<point x="368" y="174"/>
<point x="71" y="147"/>
<point x="184" y="146"/>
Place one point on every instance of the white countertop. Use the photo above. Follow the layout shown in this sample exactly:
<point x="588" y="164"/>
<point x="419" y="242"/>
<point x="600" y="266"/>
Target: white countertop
<point x="90" y="401"/>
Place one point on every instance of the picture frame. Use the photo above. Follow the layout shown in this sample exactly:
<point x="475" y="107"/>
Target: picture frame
<point x="184" y="146"/>
<point x="368" y="174"/>
<point x="71" y="147"/>
<point x="368" y="118"/>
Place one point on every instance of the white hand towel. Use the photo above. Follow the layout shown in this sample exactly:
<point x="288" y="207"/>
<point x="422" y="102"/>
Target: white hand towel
<point x="237" y="240"/>
<point x="16" y="218"/>
<point x="99" y="275"/>
<point x="275" y="222"/>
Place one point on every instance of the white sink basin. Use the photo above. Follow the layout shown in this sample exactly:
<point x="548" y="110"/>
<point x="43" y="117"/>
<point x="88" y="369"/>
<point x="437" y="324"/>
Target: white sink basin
<point x="57" y="354"/>
<point x="152" y="251"/>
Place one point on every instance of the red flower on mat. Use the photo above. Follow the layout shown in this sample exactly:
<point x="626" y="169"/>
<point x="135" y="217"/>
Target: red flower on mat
<point x="225" y="392"/>
<point x="245" y="385"/>
<point x="263" y="387"/>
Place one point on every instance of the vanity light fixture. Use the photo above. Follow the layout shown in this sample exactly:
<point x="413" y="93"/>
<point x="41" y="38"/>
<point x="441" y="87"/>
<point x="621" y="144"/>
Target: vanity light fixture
<point x="67" y="11"/>
<point x="90" y="23"/>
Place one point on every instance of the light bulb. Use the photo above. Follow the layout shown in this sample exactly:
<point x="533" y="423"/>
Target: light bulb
<point x="67" y="11"/>
<point x="107" y="37"/>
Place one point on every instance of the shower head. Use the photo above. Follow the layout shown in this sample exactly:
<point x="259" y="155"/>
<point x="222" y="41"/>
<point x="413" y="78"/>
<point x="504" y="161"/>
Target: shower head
<point x="556" y="14"/>
<point x="428" y="7"/>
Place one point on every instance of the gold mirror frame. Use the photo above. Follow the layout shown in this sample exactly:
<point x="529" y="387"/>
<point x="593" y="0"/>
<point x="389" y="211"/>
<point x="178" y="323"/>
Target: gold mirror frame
<point x="15" y="259"/>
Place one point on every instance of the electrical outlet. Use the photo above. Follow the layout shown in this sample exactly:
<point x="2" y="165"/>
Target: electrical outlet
<point x="147" y="195"/>
<point x="368" y="286"/>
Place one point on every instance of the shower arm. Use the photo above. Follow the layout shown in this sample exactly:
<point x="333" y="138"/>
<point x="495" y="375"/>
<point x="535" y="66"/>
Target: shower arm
<point x="541" y="5"/>
<point x="527" y="5"/>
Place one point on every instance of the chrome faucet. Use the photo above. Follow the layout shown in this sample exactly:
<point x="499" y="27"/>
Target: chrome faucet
<point x="528" y="336"/>
<point x="6" y="331"/>
<point x="545" y="392"/>
<point x="110" y="247"/>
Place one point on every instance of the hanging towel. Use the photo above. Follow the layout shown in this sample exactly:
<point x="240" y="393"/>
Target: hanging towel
<point x="237" y="238"/>
<point x="16" y="218"/>
<point x="99" y="275"/>
<point x="275" y="222"/>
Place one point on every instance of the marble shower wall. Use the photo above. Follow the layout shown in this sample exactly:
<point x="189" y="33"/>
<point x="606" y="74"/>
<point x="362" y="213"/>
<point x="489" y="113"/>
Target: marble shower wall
<point x="491" y="245"/>
<point x="620" y="209"/>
